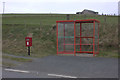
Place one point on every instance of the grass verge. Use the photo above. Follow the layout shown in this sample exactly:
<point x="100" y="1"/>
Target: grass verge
<point x="7" y="64"/>
<point x="17" y="59"/>
<point x="113" y="54"/>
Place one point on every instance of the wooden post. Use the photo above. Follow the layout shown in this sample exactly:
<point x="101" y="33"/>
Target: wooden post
<point x="105" y="18"/>
<point x="68" y="17"/>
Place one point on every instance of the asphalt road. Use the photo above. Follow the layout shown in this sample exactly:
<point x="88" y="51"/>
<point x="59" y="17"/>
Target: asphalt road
<point x="17" y="74"/>
<point x="67" y="67"/>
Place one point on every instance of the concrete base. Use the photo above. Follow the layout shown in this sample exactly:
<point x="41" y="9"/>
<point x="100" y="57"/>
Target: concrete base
<point x="82" y="55"/>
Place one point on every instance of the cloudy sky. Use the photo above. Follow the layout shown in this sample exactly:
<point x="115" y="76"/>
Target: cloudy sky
<point x="59" y="6"/>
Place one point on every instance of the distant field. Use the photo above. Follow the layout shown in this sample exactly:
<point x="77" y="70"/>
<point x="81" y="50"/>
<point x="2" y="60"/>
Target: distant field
<point x="49" y="19"/>
<point x="17" y="26"/>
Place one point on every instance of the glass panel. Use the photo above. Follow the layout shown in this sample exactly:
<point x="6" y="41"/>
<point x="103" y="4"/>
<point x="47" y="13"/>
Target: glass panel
<point x="66" y="36"/>
<point x="87" y="29"/>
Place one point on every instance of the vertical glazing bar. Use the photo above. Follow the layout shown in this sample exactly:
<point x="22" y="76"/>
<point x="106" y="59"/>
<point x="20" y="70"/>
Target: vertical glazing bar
<point x="80" y="36"/>
<point x="98" y="38"/>
<point x="74" y="41"/>
<point x="57" y="37"/>
<point x="94" y="38"/>
<point x="64" y="37"/>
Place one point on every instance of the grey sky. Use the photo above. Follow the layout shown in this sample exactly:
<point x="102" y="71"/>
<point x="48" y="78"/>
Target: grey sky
<point x="59" y="6"/>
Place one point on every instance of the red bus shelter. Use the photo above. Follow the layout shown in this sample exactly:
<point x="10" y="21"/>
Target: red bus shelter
<point x="77" y="36"/>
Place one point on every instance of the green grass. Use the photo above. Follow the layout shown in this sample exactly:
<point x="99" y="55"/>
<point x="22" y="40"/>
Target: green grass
<point x="7" y="64"/>
<point x="17" y="26"/>
<point x="17" y="59"/>
<point x="49" y="19"/>
<point x="107" y="53"/>
<point x="43" y="40"/>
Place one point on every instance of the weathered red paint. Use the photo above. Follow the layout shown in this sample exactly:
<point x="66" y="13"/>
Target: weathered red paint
<point x="28" y="41"/>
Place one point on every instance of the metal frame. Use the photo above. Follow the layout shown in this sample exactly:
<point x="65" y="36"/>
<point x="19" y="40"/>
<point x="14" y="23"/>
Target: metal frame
<point x="81" y="22"/>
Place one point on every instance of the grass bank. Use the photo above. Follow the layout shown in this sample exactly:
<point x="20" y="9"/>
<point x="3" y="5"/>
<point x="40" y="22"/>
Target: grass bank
<point x="16" y="27"/>
<point x="17" y="59"/>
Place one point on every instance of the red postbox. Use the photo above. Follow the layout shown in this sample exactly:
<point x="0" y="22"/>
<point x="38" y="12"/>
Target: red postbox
<point x="28" y="41"/>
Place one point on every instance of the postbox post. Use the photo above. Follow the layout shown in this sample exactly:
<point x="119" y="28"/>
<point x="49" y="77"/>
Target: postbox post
<point x="29" y="50"/>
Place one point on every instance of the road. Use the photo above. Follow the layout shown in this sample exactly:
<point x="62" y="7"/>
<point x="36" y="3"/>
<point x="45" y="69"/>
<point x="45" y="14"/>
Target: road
<point x="65" y="67"/>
